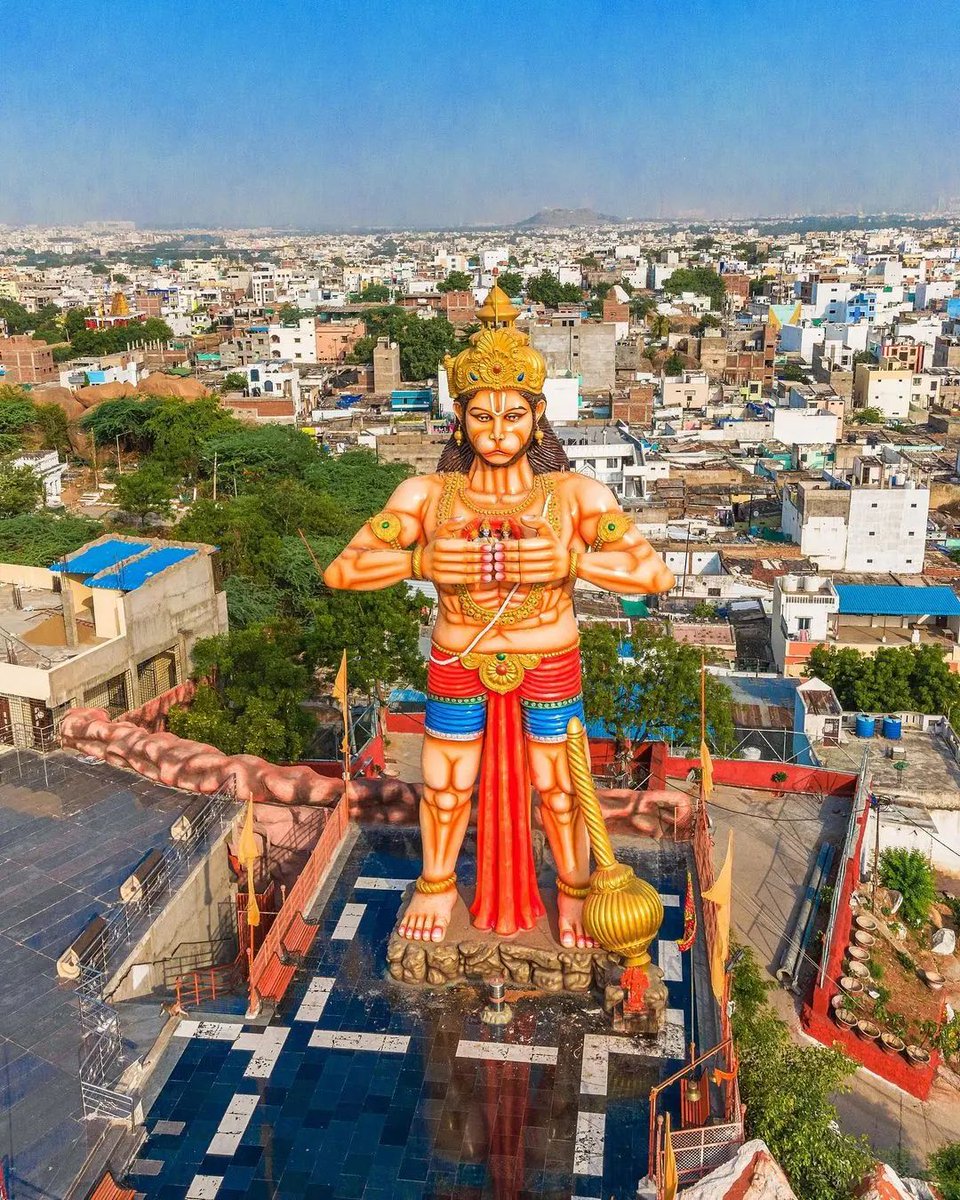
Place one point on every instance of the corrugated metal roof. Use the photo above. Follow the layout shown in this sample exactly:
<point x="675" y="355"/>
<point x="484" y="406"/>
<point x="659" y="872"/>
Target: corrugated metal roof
<point x="897" y="600"/>
<point x="129" y="576"/>
<point x="91" y="559"/>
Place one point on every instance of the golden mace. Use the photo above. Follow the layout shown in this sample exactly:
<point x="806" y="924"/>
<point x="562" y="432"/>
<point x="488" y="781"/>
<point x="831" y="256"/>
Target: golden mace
<point x="621" y="912"/>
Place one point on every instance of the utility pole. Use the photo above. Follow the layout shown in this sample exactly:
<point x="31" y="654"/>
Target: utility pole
<point x="875" y="804"/>
<point x="214" y="474"/>
<point x="119" y="463"/>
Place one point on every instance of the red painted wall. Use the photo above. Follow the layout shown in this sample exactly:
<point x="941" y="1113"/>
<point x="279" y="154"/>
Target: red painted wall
<point x="398" y="722"/>
<point x="737" y="773"/>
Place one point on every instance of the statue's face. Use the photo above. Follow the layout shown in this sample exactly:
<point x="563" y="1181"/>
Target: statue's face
<point x="499" y="425"/>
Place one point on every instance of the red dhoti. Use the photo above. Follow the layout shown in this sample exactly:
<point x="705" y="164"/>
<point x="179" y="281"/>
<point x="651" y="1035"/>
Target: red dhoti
<point x="508" y="700"/>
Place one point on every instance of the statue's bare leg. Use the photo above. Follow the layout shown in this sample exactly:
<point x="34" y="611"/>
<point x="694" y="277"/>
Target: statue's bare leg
<point x="449" y="773"/>
<point x="565" y="832"/>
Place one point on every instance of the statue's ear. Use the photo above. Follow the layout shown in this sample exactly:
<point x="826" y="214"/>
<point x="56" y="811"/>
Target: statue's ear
<point x="458" y="410"/>
<point x="539" y="409"/>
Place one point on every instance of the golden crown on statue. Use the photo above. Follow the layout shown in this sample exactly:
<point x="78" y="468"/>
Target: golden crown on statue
<point x="499" y="356"/>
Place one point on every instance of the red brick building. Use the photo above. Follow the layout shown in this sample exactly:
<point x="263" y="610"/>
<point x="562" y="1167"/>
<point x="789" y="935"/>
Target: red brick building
<point x="26" y="360"/>
<point x="635" y="406"/>
<point x="614" y="310"/>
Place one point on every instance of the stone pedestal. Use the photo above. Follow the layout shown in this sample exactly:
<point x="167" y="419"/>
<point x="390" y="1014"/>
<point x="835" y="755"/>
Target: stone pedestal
<point x="648" y="1020"/>
<point x="532" y="960"/>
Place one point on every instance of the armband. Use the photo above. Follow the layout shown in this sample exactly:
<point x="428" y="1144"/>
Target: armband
<point x="416" y="562"/>
<point x="385" y="526"/>
<point x="611" y="528"/>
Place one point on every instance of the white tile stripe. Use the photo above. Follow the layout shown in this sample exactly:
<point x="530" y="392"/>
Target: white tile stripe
<point x="508" y="1052"/>
<point x="669" y="960"/>
<point x="231" y="1129"/>
<point x="221" y="1031"/>
<point x="377" y="883"/>
<point x="383" y="1043"/>
<point x="597" y="1048"/>
<point x="588" y="1147"/>
<point x="266" y="1054"/>
<point x="204" y="1187"/>
<point x="670" y="901"/>
<point x="315" y="998"/>
<point x="349" y="923"/>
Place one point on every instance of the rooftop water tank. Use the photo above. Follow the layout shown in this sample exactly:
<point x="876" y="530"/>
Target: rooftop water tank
<point x="865" y="726"/>
<point x="811" y="583"/>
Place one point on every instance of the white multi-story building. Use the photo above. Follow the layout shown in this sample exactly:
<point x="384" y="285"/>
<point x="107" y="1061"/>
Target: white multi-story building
<point x="689" y="390"/>
<point x="873" y="522"/>
<point x="295" y="343"/>
<point x="48" y="468"/>
<point x="802" y="606"/>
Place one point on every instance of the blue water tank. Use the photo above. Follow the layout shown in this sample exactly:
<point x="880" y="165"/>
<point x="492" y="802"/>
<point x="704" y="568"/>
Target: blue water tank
<point x="892" y="728"/>
<point x="866" y="726"/>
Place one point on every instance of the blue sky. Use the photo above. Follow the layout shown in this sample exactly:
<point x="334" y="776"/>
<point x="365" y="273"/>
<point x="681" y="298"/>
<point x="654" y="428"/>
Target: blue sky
<point x="426" y="112"/>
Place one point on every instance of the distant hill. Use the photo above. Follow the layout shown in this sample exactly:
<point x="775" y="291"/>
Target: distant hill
<point x="566" y="218"/>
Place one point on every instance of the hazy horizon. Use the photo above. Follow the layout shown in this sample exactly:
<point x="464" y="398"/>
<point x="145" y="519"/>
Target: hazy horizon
<point x="419" y="116"/>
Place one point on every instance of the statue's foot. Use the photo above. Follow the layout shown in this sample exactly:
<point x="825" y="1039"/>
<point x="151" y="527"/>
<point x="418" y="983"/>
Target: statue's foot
<point x="570" y="922"/>
<point x="427" y="916"/>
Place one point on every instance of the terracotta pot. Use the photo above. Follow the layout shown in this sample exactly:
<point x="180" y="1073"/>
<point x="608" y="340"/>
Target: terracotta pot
<point x="846" y="1018"/>
<point x="891" y="1043"/>
<point x="866" y="922"/>
<point x="858" y="970"/>
<point x="857" y="953"/>
<point x="918" y="1056"/>
<point x="933" y="980"/>
<point x="868" y="1031"/>
<point x="862" y="938"/>
<point x="852" y="986"/>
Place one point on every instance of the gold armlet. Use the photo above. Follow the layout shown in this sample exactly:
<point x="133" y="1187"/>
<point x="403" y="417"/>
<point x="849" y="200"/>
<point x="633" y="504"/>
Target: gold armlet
<point x="416" y="562"/>
<point x="574" y="566"/>
<point x="385" y="526"/>
<point x="611" y="528"/>
<point x="432" y="887"/>
<point x="568" y="889"/>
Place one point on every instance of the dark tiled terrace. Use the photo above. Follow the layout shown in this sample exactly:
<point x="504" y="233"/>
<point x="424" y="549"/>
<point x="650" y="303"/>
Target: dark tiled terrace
<point x="70" y="833"/>
<point x="361" y="1087"/>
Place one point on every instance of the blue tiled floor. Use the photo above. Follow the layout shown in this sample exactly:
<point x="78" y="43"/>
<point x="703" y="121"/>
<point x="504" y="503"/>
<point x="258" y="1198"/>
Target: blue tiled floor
<point x="352" y="1123"/>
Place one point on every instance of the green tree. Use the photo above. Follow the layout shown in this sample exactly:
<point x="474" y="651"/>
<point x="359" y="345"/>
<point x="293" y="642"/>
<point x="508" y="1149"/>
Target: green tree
<point x="787" y="1089"/>
<point x="456" y="281"/>
<point x="865" y="356"/>
<point x="179" y="432"/>
<point x="357" y="481"/>
<point x="511" y="282"/>
<point x="234" y="381"/>
<point x="868" y="416"/>
<point x="126" y="418"/>
<point x="657" y="695"/>
<point x="659" y="325"/>
<point x="793" y="373"/>
<point x="641" y="306"/>
<point x="547" y="289"/>
<point x="911" y="873"/>
<point x="249" y="455"/>
<point x="144" y="491"/>
<point x="254" y="704"/>
<point x="37" y="539"/>
<point x="422" y="344"/>
<point x="894" y="679"/>
<point x="17" y="319"/>
<point x="707" y="321"/>
<point x="945" y="1170"/>
<point x="703" y="281"/>
<point x="673" y="365"/>
<point x="20" y="490"/>
<point x="17" y="415"/>
<point x="375" y="293"/>
<point x="52" y="428"/>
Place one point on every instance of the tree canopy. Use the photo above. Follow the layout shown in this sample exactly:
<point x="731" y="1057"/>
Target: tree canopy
<point x="787" y="1089"/>
<point x="20" y="490"/>
<point x="37" y="539"/>
<point x="456" y="281"/>
<point x="894" y="679"/>
<point x="510" y="282"/>
<point x="422" y="344"/>
<point x="144" y="491"/>
<point x="702" y="281"/>
<point x="547" y="289"/>
<point x="657" y="696"/>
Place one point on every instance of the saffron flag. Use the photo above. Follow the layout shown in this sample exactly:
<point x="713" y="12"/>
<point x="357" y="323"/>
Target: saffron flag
<point x="689" y="917"/>
<point x="340" y="694"/>
<point x="247" y="856"/>
<point x="720" y="895"/>
<point x="670" y="1179"/>
<point x="706" y="770"/>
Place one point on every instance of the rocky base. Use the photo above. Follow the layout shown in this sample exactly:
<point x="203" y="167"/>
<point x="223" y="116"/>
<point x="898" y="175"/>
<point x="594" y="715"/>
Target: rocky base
<point x="532" y="960"/>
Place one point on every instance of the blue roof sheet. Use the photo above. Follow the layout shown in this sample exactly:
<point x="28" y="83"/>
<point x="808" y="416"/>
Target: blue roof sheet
<point x="130" y="576"/>
<point x="897" y="600"/>
<point x="100" y="557"/>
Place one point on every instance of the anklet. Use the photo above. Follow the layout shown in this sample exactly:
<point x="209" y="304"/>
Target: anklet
<point x="570" y="889"/>
<point x="432" y="887"/>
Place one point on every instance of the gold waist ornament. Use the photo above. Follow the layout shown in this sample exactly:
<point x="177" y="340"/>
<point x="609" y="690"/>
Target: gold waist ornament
<point x="478" y="613"/>
<point x="501" y="672"/>
<point x="621" y="912"/>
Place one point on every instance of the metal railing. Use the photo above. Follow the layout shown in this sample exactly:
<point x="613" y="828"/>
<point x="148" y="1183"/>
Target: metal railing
<point x="104" y="1102"/>
<point x="860" y="801"/>
<point x="125" y="922"/>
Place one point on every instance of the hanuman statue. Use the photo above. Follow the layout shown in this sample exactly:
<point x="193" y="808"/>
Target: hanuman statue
<point x="503" y="530"/>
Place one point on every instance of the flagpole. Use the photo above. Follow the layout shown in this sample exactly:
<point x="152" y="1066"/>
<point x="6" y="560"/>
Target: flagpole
<point x="703" y="717"/>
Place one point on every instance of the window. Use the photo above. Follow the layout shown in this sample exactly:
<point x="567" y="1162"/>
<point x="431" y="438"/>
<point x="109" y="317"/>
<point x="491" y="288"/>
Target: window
<point x="873" y="533"/>
<point x="804" y="622"/>
<point x="869" y="560"/>
<point x="873" y="505"/>
<point x="913" y="506"/>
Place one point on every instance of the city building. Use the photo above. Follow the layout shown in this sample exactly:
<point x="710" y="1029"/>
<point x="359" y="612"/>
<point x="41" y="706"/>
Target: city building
<point x="111" y="626"/>
<point x="48" y="468"/>
<point x="585" y="349"/>
<point x="872" y="520"/>
<point x="26" y="360"/>
<point x="386" y="366"/>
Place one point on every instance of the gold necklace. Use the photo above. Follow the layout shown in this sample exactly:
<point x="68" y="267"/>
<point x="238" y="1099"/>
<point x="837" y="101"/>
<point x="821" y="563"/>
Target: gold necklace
<point x="499" y="510"/>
